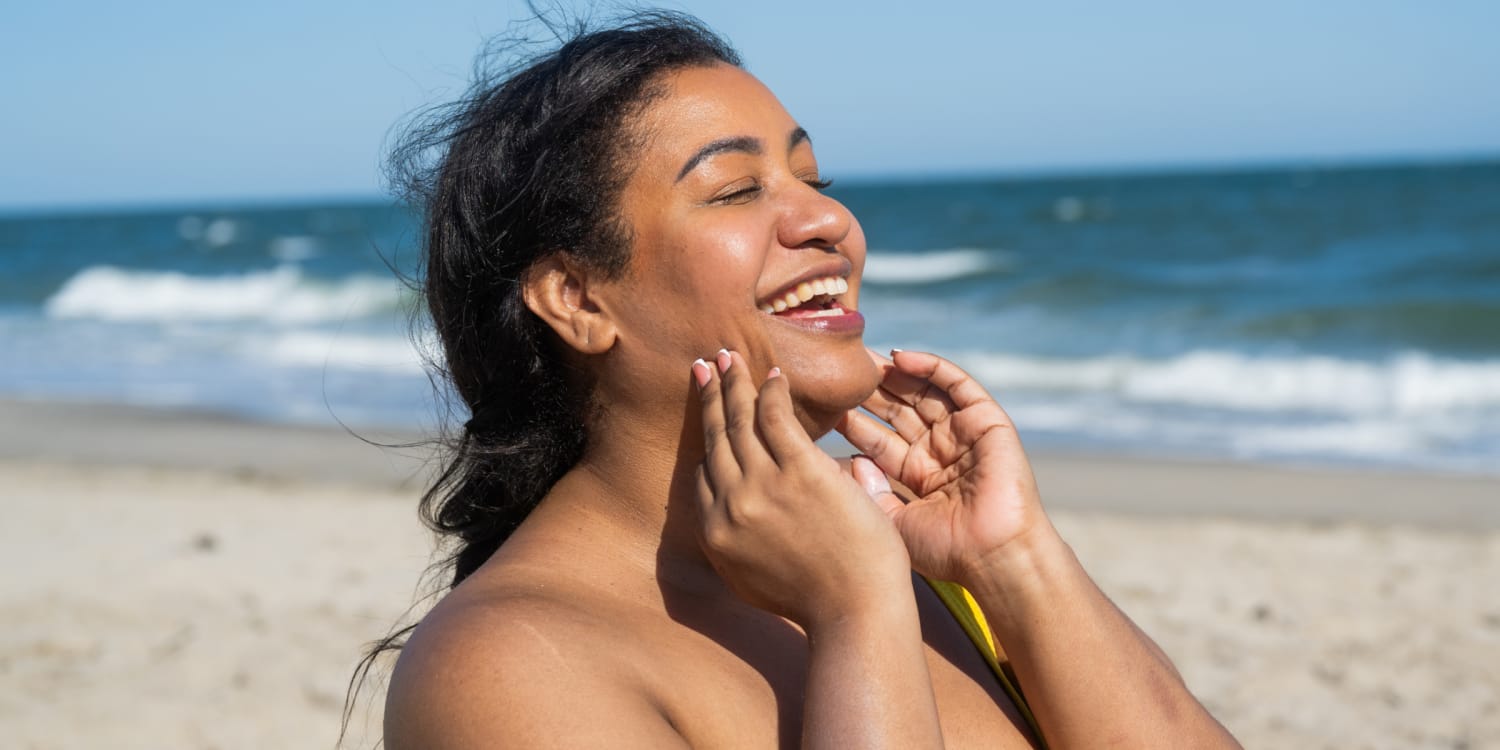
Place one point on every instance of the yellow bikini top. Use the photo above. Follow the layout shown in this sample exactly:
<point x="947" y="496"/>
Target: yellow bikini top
<point x="961" y="603"/>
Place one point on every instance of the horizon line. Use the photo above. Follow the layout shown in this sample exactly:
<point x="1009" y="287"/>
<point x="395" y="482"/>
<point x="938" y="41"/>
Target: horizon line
<point x="267" y="201"/>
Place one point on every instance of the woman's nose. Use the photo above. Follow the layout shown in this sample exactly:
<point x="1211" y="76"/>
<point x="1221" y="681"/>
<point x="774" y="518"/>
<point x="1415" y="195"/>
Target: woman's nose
<point x="812" y="219"/>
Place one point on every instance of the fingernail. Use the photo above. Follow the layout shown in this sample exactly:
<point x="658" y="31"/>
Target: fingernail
<point x="775" y="373"/>
<point x="893" y="351"/>
<point x="869" y="476"/>
<point x="724" y="360"/>
<point x="701" y="373"/>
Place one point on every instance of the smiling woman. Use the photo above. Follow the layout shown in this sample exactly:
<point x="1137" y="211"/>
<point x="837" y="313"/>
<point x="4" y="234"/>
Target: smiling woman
<point x="650" y="309"/>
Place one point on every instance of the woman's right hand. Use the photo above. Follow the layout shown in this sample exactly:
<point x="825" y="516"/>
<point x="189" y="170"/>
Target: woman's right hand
<point x="783" y="524"/>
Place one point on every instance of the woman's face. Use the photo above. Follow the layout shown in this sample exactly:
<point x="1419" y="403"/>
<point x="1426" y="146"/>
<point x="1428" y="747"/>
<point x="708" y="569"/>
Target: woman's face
<point x="731" y="236"/>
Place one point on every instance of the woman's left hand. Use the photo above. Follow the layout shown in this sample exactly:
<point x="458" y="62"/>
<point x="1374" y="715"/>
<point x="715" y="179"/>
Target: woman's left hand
<point x="956" y="449"/>
<point x="784" y="525"/>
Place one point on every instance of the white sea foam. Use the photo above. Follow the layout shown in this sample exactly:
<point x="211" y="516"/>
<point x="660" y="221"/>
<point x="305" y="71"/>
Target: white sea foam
<point x="931" y="267"/>
<point x="1360" y="438"/>
<point x="1407" y="384"/>
<point x="334" y="349"/>
<point x="1447" y="441"/>
<point x="282" y="295"/>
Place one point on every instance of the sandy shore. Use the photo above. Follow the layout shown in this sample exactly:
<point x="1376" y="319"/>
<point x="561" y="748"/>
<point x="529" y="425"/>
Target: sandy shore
<point x="186" y="581"/>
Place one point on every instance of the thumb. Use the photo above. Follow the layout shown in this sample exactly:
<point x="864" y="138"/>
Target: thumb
<point x="875" y="484"/>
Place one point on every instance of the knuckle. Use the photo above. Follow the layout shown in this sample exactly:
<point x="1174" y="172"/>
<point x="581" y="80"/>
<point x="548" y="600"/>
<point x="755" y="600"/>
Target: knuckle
<point x="713" y="434"/>
<point x="771" y="416"/>
<point x="744" y="510"/>
<point x="738" y="422"/>
<point x="717" y="537"/>
<point x="709" y="393"/>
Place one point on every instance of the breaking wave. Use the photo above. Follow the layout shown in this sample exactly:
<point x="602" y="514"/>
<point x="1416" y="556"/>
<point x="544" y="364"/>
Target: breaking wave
<point x="282" y="295"/>
<point x="1404" y="384"/>
<point x="933" y="267"/>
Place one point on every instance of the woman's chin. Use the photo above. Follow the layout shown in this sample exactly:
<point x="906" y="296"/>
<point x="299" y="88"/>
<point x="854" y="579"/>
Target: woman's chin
<point x="825" y="393"/>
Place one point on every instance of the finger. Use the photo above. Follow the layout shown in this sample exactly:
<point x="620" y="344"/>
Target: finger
<point x="897" y="413"/>
<point x="886" y="404"/>
<point x="704" y="494"/>
<point x="787" y="441"/>
<point x="875" y="440"/>
<point x="928" y="401"/>
<point x="959" y="386"/>
<point x="718" y="456"/>
<point x="710" y="525"/>
<point x="740" y="410"/>
<point x="876" y="485"/>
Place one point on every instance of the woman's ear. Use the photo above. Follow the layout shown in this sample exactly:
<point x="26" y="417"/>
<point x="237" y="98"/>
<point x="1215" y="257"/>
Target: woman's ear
<point x="557" y="290"/>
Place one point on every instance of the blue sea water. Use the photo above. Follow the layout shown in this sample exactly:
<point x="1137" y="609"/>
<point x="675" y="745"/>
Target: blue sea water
<point x="1324" y="315"/>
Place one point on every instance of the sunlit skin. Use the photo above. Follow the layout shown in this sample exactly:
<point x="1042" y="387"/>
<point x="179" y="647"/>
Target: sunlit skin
<point x="713" y="242"/>
<point x="705" y="577"/>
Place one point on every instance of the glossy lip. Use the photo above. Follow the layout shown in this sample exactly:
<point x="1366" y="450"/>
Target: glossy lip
<point x="850" y="322"/>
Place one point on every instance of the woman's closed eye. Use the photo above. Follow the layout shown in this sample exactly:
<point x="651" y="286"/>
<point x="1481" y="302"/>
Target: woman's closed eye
<point x="744" y="193"/>
<point x="738" y="193"/>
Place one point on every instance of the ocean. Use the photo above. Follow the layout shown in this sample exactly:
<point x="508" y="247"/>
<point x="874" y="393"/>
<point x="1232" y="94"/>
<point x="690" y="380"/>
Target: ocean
<point x="1344" y="316"/>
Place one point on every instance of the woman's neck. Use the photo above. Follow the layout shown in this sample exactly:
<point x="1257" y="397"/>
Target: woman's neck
<point x="634" y="492"/>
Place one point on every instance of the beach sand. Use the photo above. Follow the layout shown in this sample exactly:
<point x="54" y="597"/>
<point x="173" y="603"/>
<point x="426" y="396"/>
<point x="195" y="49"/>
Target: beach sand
<point x="188" y="581"/>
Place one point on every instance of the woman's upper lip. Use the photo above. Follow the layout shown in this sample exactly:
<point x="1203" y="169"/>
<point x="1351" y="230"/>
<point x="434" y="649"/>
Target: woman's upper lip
<point x="840" y="267"/>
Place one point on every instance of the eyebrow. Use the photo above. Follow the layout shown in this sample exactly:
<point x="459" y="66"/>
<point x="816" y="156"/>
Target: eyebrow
<point x="742" y="144"/>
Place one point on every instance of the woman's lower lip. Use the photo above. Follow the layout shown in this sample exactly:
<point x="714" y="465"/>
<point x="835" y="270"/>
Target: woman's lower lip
<point x="850" y="322"/>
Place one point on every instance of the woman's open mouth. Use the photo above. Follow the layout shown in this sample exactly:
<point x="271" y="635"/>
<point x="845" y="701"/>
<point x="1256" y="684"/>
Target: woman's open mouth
<point x="815" y="304"/>
<point x="807" y="297"/>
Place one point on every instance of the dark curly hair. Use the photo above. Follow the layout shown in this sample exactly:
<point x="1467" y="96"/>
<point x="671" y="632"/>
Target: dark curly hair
<point x="529" y="162"/>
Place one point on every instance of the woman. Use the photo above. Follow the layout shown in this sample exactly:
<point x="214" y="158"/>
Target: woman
<point x="650" y="309"/>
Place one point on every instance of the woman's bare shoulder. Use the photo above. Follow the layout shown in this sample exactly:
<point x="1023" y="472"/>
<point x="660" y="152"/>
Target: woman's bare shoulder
<point x="517" y="663"/>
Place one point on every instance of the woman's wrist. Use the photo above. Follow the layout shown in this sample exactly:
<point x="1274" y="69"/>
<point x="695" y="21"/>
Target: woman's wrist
<point x="1030" y="566"/>
<point x="885" y="611"/>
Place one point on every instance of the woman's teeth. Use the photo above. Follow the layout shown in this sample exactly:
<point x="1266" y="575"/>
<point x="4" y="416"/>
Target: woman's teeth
<point x="827" y="286"/>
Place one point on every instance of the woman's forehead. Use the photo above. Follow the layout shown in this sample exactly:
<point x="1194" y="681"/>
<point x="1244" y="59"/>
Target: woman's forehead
<point x="702" y="106"/>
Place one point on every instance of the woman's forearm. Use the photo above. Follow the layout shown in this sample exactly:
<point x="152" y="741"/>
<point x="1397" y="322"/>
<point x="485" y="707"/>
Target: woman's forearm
<point x="867" y="682"/>
<point x="1092" y="678"/>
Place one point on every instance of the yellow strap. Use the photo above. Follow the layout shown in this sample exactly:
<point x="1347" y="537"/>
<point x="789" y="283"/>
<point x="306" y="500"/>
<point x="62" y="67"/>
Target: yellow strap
<point x="961" y="603"/>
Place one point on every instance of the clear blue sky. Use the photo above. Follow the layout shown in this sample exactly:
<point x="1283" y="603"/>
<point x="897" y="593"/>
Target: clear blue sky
<point x="151" y="102"/>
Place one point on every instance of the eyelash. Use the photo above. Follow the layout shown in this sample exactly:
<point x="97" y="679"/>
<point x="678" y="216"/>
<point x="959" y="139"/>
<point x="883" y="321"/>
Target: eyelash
<point x="739" y="195"/>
